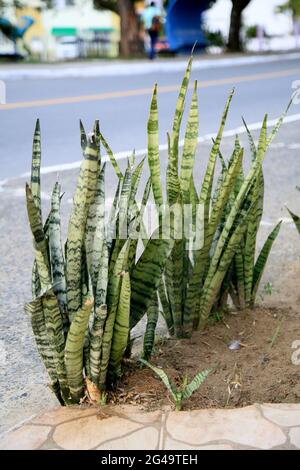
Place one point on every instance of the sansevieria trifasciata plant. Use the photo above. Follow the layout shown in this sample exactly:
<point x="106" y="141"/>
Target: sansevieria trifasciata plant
<point x="225" y="217"/>
<point x="186" y="389"/>
<point x="89" y="293"/>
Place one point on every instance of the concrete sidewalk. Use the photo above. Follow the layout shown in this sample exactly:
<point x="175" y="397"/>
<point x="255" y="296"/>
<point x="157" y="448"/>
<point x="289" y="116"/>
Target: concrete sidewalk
<point x="134" y="67"/>
<point x="124" y="428"/>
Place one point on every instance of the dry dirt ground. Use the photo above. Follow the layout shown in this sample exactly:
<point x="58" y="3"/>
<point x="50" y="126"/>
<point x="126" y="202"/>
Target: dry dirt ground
<point x="262" y="370"/>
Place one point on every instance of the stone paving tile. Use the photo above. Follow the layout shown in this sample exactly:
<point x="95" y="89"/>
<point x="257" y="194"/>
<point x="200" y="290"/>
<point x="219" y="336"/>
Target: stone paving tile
<point x="130" y="412"/>
<point x="170" y="444"/>
<point x="91" y="432"/>
<point x="63" y="414"/>
<point x="26" y="437"/>
<point x="295" y="437"/>
<point x="143" y="439"/>
<point x="284" y="415"/>
<point x="243" y="426"/>
<point x="125" y="428"/>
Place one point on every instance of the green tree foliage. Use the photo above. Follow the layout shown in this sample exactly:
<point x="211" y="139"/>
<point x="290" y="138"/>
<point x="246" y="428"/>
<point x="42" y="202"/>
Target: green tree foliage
<point x="292" y="6"/>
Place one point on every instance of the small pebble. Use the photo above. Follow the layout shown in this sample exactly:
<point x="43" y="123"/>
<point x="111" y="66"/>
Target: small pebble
<point x="234" y="345"/>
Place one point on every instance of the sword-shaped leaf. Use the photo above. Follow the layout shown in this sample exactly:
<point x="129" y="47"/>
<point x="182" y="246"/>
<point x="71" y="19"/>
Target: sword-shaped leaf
<point x="83" y="137"/>
<point x="36" y="313"/>
<point x="111" y="157"/>
<point x="55" y="332"/>
<point x="152" y="318"/>
<point x="146" y="275"/>
<point x="173" y="184"/>
<point x="40" y="243"/>
<point x="189" y="148"/>
<point x="84" y="196"/>
<point x="195" y="384"/>
<point x="74" y="350"/>
<point x="96" y="337"/>
<point x="56" y="252"/>
<point x="153" y="150"/>
<point x="113" y="297"/>
<point x="35" y="181"/>
<point x="296" y="219"/>
<point x="262" y="260"/>
<point x="121" y="329"/>
<point x="164" y="378"/>
<point x="95" y="229"/>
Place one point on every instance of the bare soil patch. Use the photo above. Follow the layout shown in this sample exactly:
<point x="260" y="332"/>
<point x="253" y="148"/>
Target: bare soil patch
<point x="260" y="371"/>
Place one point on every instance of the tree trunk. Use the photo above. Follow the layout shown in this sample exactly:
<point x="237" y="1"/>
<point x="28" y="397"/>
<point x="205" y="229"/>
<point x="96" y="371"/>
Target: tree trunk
<point x="131" y="43"/>
<point x="234" y="40"/>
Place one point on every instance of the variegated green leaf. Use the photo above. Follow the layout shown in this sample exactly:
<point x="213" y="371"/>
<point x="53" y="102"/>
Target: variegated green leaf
<point x="84" y="196"/>
<point x="145" y="277"/>
<point x="83" y="137"/>
<point x="173" y="184"/>
<point x="96" y="337"/>
<point x="113" y="297"/>
<point x="195" y="384"/>
<point x="56" y="252"/>
<point x="111" y="157"/>
<point x="189" y="148"/>
<point x="262" y="260"/>
<point x="153" y="150"/>
<point x="296" y="219"/>
<point x="40" y="243"/>
<point x="164" y="378"/>
<point x="152" y="318"/>
<point x="121" y="329"/>
<point x="74" y="350"/>
<point x="35" y="181"/>
<point x="95" y="229"/>
<point x="55" y="333"/>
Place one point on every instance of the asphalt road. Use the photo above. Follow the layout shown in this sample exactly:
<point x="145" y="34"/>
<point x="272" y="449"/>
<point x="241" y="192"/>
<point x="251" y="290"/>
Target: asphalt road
<point x="122" y="104"/>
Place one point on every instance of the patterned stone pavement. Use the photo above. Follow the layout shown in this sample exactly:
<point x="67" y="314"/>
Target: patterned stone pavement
<point x="125" y="428"/>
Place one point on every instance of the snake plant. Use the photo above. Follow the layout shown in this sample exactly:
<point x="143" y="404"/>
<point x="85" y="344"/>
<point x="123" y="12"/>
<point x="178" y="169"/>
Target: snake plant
<point x="89" y="293"/>
<point x="296" y="219"/>
<point x="244" y="275"/>
<point x="194" y="278"/>
<point x="185" y="390"/>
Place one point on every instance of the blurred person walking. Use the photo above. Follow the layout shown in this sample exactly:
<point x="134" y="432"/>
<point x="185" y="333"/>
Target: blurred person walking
<point x="151" y="17"/>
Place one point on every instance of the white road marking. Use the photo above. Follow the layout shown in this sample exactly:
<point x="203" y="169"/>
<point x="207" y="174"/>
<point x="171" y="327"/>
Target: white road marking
<point x="141" y="152"/>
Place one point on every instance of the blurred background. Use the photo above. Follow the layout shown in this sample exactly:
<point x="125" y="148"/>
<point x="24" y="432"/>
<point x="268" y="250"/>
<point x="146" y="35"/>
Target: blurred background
<point x="56" y="30"/>
<point x="62" y="60"/>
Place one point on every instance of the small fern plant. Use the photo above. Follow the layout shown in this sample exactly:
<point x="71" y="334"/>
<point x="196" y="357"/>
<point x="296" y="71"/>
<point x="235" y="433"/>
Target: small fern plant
<point x="185" y="390"/>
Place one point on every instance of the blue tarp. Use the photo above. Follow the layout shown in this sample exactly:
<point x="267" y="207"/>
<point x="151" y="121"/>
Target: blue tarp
<point x="15" y="31"/>
<point x="183" y="26"/>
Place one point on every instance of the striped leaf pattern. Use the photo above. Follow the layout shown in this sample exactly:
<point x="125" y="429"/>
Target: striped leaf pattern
<point x="96" y="337"/>
<point x="152" y="318"/>
<point x="74" y="351"/>
<point x="296" y="219"/>
<point x="153" y="150"/>
<point x="56" y="252"/>
<point x="262" y="260"/>
<point x="35" y="181"/>
<point x="173" y="184"/>
<point x="195" y="384"/>
<point x="145" y="276"/>
<point x="84" y="196"/>
<point x="121" y="329"/>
